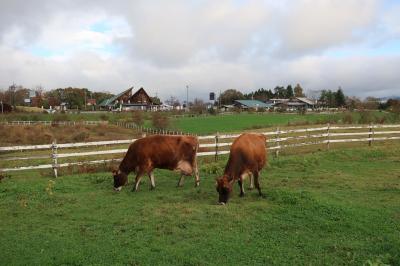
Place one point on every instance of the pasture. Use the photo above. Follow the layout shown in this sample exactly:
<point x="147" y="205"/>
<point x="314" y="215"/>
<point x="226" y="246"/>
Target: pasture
<point x="211" y="124"/>
<point x="326" y="208"/>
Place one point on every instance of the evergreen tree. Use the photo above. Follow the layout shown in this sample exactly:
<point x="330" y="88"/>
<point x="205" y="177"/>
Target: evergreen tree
<point x="289" y="91"/>
<point x="340" y="98"/>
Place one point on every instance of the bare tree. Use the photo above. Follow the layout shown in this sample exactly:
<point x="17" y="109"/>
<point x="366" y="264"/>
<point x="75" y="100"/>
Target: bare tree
<point x="173" y="101"/>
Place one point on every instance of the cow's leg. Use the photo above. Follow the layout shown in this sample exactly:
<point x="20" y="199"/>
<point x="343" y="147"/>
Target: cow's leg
<point x="196" y="173"/>
<point x="152" y="182"/>
<point x="251" y="179"/>
<point x="257" y="183"/>
<point x="137" y="181"/>
<point x="240" y="182"/>
<point x="181" y="180"/>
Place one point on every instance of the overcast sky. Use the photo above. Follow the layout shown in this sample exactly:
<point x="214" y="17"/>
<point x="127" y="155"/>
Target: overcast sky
<point x="208" y="45"/>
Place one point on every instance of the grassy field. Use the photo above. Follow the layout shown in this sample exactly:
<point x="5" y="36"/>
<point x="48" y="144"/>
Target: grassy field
<point x="220" y="123"/>
<point x="325" y="208"/>
<point x="250" y="121"/>
<point x="239" y="122"/>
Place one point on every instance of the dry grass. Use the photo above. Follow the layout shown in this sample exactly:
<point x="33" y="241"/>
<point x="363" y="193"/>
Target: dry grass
<point x="40" y="134"/>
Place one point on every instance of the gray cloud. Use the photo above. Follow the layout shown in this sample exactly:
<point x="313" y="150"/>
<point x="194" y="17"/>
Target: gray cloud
<point x="210" y="45"/>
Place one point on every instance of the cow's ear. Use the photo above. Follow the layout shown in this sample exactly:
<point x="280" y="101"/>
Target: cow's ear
<point x="114" y="172"/>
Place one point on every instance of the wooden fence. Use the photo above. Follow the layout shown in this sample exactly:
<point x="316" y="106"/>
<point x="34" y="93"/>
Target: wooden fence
<point x="132" y="125"/>
<point x="218" y="143"/>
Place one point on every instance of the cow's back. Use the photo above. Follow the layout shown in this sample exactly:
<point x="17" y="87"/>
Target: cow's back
<point x="247" y="153"/>
<point x="163" y="151"/>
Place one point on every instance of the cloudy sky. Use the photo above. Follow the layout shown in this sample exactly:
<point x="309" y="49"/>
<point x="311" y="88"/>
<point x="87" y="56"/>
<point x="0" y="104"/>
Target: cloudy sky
<point x="208" y="45"/>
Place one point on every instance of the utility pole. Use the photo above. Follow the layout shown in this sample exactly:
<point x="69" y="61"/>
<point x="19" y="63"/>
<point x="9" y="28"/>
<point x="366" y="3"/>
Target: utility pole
<point x="187" y="97"/>
<point x="12" y="95"/>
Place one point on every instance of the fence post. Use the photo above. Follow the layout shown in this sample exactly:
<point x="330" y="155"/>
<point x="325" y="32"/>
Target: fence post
<point x="327" y="136"/>
<point x="216" y="147"/>
<point x="54" y="157"/>
<point x="278" y="142"/>
<point x="371" y="133"/>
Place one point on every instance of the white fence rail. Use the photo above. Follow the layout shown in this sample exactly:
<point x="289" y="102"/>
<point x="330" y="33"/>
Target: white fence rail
<point x="49" y="123"/>
<point x="328" y="136"/>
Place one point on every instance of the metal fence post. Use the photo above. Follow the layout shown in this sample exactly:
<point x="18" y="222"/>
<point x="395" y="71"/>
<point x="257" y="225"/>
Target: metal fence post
<point x="54" y="157"/>
<point x="327" y="136"/>
<point x="216" y="147"/>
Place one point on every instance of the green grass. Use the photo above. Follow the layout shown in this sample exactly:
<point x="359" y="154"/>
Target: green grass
<point x="239" y="122"/>
<point x="325" y="208"/>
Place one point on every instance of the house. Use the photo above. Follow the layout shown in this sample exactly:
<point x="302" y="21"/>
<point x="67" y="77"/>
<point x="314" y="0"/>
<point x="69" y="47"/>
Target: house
<point x="91" y="102"/>
<point x="115" y="101"/>
<point x="252" y="104"/>
<point x="275" y="101"/>
<point x="294" y="104"/>
<point x="126" y="101"/>
<point x="227" y="107"/>
<point x="165" y="107"/>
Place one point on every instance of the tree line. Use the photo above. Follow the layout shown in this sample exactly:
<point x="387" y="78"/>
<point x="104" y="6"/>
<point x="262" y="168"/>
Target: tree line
<point x="75" y="98"/>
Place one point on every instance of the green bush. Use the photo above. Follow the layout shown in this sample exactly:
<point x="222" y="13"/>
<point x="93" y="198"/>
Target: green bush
<point x="366" y="117"/>
<point x="348" y="118"/>
<point x="137" y="118"/>
<point x="60" y="117"/>
<point x="160" y="121"/>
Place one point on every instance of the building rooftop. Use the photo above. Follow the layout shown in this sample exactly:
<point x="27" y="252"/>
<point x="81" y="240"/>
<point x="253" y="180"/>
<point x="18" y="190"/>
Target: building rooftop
<point x="254" y="103"/>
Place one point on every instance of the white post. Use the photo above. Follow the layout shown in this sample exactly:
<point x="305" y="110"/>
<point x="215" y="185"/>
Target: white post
<point x="54" y="157"/>
<point x="327" y="136"/>
<point x="278" y="144"/>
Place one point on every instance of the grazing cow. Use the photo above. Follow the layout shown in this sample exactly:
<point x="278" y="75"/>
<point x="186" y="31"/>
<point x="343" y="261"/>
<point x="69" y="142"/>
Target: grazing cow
<point x="158" y="151"/>
<point x="247" y="156"/>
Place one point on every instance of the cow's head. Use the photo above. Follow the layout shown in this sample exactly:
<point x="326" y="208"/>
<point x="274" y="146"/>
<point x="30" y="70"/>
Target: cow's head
<point x="224" y="188"/>
<point x="120" y="179"/>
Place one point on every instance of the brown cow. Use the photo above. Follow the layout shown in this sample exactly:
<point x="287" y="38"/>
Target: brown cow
<point x="247" y="156"/>
<point x="158" y="151"/>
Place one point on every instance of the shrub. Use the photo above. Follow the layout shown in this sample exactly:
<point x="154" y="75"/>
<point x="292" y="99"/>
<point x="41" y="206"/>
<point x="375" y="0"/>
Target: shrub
<point x="302" y="111"/>
<point x="137" y="118"/>
<point x="81" y="136"/>
<point x="365" y="117"/>
<point x="212" y="111"/>
<point x="159" y="120"/>
<point x="60" y="117"/>
<point x="348" y="118"/>
<point x="104" y="117"/>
